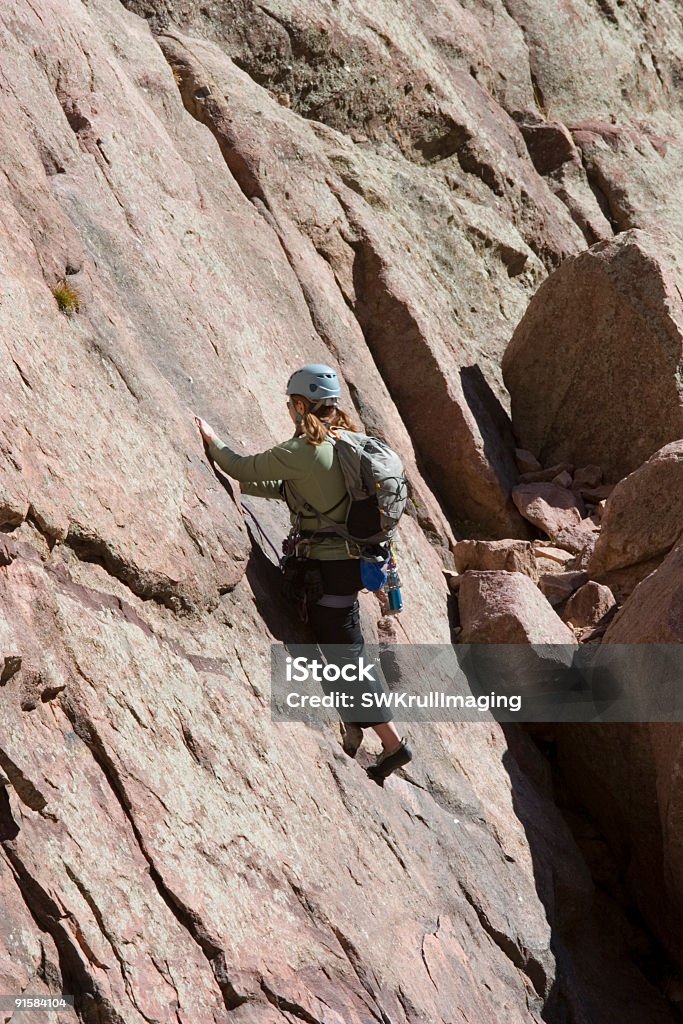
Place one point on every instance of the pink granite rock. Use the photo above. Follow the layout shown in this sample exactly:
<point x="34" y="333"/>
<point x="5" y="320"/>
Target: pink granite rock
<point x="511" y="555"/>
<point x="587" y="477"/>
<point x="643" y="515"/>
<point x="560" y="586"/>
<point x="589" y="605"/>
<point x="563" y="479"/>
<point x="304" y="183"/>
<point x="548" y="506"/>
<point x="653" y="612"/>
<point x="580" y="538"/>
<point x="507" y="608"/>
<point x="546" y="475"/>
<point x="526" y="461"/>
<point x="596" y="320"/>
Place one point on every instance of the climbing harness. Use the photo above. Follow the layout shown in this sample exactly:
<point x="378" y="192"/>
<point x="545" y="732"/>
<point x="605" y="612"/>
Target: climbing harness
<point x="302" y="582"/>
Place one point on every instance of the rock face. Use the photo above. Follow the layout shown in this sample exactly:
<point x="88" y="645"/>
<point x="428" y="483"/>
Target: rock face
<point x="189" y="215"/>
<point x="602" y="341"/>
<point x="628" y="776"/>
<point x="346" y="235"/>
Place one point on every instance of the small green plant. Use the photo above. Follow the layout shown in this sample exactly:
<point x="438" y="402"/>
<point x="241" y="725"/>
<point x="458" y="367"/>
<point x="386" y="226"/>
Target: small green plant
<point x="67" y="298"/>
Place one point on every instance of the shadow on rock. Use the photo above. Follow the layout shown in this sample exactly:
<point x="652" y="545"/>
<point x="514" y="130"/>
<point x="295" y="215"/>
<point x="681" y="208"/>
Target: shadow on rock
<point x="596" y="942"/>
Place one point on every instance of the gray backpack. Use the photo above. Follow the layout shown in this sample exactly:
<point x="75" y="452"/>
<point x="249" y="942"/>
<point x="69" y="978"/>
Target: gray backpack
<point x="376" y="483"/>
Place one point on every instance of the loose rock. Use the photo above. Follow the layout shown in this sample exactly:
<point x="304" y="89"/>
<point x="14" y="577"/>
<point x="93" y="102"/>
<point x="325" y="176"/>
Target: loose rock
<point x="507" y="608"/>
<point x="587" y="477"/>
<point x="589" y="605"/>
<point x="545" y="475"/>
<point x="511" y="555"/>
<point x="526" y="461"/>
<point x="558" y="587"/>
<point x="549" y="507"/>
<point x="563" y="479"/>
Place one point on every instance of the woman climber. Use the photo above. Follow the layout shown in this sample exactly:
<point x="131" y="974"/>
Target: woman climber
<point x="328" y="562"/>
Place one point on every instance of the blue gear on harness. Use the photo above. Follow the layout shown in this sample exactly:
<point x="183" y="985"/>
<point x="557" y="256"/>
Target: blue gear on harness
<point x="373" y="574"/>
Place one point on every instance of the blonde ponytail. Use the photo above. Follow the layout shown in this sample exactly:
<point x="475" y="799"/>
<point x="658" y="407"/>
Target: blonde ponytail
<point x="315" y="427"/>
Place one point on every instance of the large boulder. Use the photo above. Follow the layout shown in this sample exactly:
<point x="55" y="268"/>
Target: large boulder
<point x="602" y="342"/>
<point x="643" y="516"/>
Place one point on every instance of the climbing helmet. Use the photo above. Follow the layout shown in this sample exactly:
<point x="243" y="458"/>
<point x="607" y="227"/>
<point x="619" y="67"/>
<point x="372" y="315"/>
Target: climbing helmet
<point x="317" y="382"/>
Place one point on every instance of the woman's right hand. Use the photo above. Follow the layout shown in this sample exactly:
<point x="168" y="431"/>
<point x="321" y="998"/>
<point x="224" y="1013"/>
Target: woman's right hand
<point x="207" y="431"/>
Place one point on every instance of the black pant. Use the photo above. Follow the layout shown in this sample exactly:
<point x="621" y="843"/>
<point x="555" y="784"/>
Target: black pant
<point x="340" y="628"/>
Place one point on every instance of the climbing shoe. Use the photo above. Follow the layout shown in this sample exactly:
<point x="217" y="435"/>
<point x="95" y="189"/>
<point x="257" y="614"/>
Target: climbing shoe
<point x="352" y="737"/>
<point x="388" y="762"/>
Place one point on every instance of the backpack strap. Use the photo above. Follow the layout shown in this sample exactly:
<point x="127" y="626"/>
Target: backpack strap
<point x="333" y="526"/>
<point x="298" y="497"/>
<point x="304" y="504"/>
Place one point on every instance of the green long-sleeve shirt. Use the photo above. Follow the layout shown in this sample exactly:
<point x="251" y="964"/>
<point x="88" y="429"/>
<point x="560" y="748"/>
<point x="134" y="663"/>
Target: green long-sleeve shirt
<point x="314" y="472"/>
